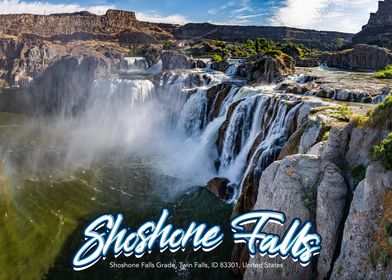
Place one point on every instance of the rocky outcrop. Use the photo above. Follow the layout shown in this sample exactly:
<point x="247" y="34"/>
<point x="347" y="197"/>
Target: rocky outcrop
<point x="221" y="65"/>
<point x="264" y="68"/>
<point x="309" y="188"/>
<point x="21" y="61"/>
<point x="113" y="21"/>
<point x="361" y="57"/>
<point x="172" y="60"/>
<point x="64" y="87"/>
<point x="378" y="31"/>
<point x="364" y="238"/>
<point x="316" y="183"/>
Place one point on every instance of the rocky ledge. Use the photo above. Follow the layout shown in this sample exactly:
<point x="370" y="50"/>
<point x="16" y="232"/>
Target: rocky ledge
<point x="361" y="57"/>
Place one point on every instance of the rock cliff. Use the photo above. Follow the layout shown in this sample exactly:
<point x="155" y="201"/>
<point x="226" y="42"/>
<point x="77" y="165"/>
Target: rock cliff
<point x="318" y="182"/>
<point x="379" y="28"/>
<point x="361" y="57"/>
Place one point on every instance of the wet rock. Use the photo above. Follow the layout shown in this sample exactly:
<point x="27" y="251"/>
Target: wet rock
<point x="221" y="188"/>
<point x="220" y="65"/>
<point x="172" y="60"/>
<point x="201" y="64"/>
<point x="343" y="95"/>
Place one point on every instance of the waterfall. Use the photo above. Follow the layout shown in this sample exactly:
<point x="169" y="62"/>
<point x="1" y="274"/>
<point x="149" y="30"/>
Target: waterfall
<point x="232" y="70"/>
<point x="130" y="64"/>
<point x="200" y="124"/>
<point x="193" y="118"/>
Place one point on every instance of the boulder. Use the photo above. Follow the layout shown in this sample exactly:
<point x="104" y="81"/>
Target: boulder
<point x="268" y="69"/>
<point x="221" y="65"/>
<point x="172" y="60"/>
<point x="201" y="64"/>
<point x="221" y="188"/>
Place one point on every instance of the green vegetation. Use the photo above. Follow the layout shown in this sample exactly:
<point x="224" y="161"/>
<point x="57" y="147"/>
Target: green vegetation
<point x="358" y="174"/>
<point x="217" y="58"/>
<point x="341" y="113"/>
<point x="386" y="73"/>
<point x="383" y="152"/>
<point x="380" y="117"/>
<point x="388" y="230"/>
<point x="169" y="45"/>
<point x="325" y="136"/>
<point x="260" y="45"/>
<point x="384" y="258"/>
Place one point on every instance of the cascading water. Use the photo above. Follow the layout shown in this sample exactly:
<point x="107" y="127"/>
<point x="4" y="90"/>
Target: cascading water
<point x="197" y="110"/>
<point x="130" y="64"/>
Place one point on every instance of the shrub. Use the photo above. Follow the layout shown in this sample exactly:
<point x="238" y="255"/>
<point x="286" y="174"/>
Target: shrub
<point x="383" y="152"/>
<point x="381" y="116"/>
<point x="217" y="58"/>
<point x="325" y="136"/>
<point x="388" y="230"/>
<point x="359" y="174"/>
<point x="386" y="73"/>
<point x="273" y="53"/>
<point x="168" y="45"/>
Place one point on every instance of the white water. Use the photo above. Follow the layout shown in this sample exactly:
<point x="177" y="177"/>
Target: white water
<point x="178" y="123"/>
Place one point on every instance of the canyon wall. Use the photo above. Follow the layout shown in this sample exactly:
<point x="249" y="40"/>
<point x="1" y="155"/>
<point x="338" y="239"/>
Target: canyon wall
<point x="379" y="28"/>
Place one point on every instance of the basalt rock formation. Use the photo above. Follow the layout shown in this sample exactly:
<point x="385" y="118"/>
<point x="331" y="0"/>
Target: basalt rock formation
<point x="123" y="26"/>
<point x="378" y="31"/>
<point x="361" y="57"/>
<point x="310" y="38"/>
<point x="316" y="183"/>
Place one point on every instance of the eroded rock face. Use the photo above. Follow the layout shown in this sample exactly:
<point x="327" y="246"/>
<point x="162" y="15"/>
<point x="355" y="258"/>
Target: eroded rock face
<point x="21" y="61"/>
<point x="361" y="57"/>
<point x="364" y="238"/>
<point x="64" y="87"/>
<point x="308" y="188"/>
<point x="318" y="187"/>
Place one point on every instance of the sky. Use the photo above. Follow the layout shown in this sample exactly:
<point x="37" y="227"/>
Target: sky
<point x="331" y="15"/>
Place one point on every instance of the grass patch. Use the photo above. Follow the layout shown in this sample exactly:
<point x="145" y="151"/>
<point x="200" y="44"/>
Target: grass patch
<point x="341" y="113"/>
<point x="383" y="152"/>
<point x="217" y="58"/>
<point x="386" y="73"/>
